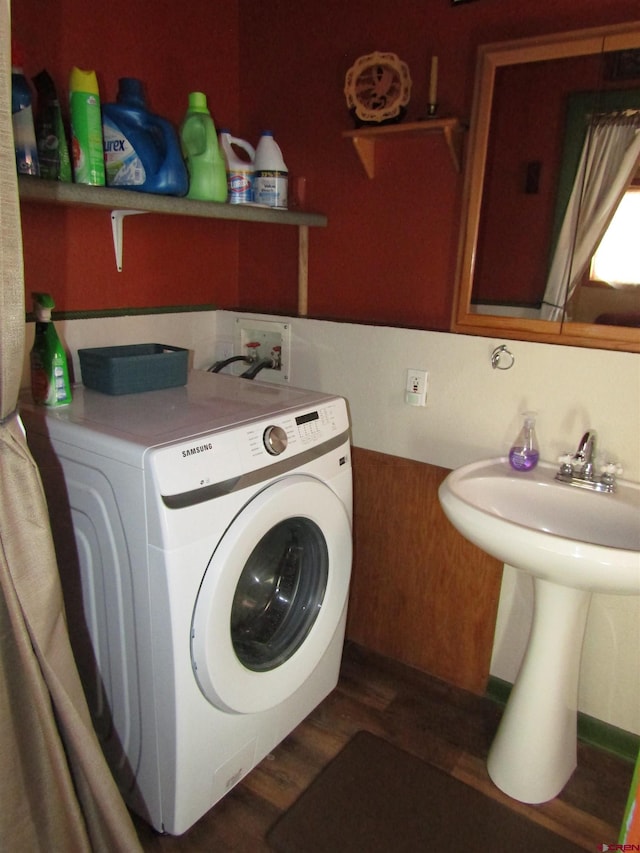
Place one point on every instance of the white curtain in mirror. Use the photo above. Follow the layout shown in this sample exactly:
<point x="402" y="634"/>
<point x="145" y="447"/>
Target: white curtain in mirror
<point x="608" y="161"/>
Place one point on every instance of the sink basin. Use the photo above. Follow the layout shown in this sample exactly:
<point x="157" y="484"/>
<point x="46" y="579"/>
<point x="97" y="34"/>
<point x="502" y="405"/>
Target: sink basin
<point x="574" y="542"/>
<point x="571" y="536"/>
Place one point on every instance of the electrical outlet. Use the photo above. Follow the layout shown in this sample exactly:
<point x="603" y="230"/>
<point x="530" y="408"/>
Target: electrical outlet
<point x="262" y="340"/>
<point x="224" y="349"/>
<point x="416" y="387"/>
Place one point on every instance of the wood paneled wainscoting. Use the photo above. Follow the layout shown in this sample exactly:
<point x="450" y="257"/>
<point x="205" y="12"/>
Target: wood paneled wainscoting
<point x="420" y="593"/>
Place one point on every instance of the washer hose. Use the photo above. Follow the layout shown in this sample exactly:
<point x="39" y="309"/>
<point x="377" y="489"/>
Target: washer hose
<point x="253" y="371"/>
<point x="220" y="365"/>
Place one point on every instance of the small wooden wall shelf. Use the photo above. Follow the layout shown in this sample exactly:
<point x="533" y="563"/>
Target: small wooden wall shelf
<point x="365" y="138"/>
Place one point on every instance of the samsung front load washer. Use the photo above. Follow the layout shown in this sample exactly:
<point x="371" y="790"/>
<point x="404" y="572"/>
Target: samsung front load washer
<point x="204" y="542"/>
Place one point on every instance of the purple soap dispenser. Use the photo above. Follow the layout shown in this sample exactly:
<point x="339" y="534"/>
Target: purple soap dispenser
<point x="524" y="453"/>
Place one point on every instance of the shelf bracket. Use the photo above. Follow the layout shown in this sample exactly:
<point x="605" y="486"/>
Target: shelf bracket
<point x="454" y="137"/>
<point x="366" y="149"/>
<point x="117" y="217"/>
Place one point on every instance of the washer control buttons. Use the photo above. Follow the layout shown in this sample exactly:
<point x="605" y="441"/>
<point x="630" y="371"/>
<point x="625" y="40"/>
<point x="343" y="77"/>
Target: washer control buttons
<point x="275" y="440"/>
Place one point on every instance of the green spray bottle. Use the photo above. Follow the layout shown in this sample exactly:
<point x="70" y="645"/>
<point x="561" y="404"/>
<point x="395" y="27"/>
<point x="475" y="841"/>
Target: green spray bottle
<point x="49" y="370"/>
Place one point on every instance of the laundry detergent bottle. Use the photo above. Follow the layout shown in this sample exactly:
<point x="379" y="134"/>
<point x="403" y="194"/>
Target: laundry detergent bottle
<point x="53" y="150"/>
<point x="141" y="150"/>
<point x="239" y="169"/>
<point x="24" y="134"/>
<point x="199" y="142"/>
<point x="49" y="369"/>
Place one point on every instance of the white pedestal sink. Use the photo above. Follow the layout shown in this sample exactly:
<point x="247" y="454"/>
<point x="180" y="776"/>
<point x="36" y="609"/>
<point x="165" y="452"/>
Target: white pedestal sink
<point x="574" y="542"/>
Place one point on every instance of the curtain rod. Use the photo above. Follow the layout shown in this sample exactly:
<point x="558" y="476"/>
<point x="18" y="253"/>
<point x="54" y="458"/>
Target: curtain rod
<point x="627" y="116"/>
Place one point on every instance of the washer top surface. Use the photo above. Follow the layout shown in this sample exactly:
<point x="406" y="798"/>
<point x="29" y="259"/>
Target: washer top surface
<point x="131" y="424"/>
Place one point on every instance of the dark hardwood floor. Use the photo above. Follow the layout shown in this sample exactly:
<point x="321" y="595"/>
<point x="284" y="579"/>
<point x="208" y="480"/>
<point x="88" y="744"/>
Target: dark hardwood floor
<point x="443" y="725"/>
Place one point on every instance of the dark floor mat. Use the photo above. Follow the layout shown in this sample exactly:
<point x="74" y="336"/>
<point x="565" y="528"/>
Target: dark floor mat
<point x="376" y="798"/>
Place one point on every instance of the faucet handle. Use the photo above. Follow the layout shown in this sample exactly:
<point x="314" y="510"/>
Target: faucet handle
<point x="611" y="469"/>
<point x="566" y="462"/>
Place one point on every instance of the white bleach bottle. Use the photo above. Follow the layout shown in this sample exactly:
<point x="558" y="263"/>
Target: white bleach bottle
<point x="270" y="177"/>
<point x="239" y="169"/>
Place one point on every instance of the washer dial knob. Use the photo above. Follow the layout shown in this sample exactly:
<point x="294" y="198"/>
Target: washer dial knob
<point x="275" y="440"/>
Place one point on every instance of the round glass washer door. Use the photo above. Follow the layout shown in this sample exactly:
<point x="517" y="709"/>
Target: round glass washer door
<point x="272" y="596"/>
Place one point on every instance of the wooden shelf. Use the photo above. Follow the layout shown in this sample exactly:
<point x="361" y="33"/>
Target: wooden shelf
<point x="365" y="138"/>
<point x="79" y="195"/>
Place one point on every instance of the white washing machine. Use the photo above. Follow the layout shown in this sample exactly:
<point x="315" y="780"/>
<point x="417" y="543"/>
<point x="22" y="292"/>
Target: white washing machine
<point x="204" y="542"/>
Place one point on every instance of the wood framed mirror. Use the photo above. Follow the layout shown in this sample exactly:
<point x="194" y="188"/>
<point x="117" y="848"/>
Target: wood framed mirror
<point x="537" y="103"/>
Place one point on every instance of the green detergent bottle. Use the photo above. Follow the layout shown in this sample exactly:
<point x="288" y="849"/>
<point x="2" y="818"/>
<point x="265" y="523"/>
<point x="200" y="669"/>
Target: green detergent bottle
<point x="205" y="161"/>
<point x="49" y="370"/>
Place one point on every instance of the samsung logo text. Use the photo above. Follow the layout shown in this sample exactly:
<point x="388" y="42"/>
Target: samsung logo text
<point x="199" y="448"/>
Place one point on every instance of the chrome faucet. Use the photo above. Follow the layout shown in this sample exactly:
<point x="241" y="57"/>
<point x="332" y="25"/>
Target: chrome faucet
<point x="585" y="456"/>
<point x="577" y="469"/>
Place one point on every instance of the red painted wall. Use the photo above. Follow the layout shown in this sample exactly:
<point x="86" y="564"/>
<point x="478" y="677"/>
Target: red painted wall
<point x="174" y="49"/>
<point x="389" y="251"/>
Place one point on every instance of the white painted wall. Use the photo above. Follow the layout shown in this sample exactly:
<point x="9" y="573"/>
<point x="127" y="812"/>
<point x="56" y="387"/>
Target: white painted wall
<point x="194" y="331"/>
<point x="472" y="412"/>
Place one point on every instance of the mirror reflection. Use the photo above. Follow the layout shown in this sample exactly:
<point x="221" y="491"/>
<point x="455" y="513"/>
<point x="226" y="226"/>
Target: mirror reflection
<point x="554" y="155"/>
<point x="599" y="284"/>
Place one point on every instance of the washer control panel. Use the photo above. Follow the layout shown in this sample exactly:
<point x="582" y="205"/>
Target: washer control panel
<point x="226" y="456"/>
<point x="311" y="424"/>
<point x="297" y="431"/>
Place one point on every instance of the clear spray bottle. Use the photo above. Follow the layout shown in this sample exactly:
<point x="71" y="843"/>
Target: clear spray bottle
<point x="524" y="453"/>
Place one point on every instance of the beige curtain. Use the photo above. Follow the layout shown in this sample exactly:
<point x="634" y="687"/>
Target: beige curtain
<point x="56" y="792"/>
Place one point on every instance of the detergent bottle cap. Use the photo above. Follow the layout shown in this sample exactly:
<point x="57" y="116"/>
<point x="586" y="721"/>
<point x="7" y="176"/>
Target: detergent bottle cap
<point x="198" y="102"/>
<point x="131" y="92"/>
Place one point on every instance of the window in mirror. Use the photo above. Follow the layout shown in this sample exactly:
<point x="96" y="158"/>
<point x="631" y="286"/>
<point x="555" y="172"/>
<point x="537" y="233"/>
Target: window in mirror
<point x="610" y="293"/>
<point x="617" y="261"/>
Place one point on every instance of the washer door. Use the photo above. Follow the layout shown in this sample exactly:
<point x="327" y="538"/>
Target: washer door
<point x="272" y="596"/>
